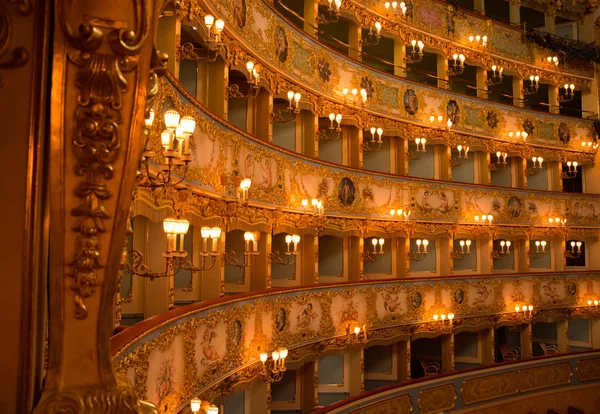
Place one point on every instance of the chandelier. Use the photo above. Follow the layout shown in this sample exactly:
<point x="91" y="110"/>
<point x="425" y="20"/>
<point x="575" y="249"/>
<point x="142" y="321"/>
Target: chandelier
<point x="175" y="140"/>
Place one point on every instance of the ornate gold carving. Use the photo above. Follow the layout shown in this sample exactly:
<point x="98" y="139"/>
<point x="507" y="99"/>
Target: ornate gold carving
<point x="19" y="56"/>
<point x="488" y="388"/>
<point x="544" y="377"/>
<point x="401" y="404"/>
<point x="437" y="399"/>
<point x="588" y="369"/>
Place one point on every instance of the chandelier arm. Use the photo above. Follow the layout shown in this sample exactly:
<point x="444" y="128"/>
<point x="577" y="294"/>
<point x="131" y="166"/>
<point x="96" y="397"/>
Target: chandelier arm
<point x="135" y="266"/>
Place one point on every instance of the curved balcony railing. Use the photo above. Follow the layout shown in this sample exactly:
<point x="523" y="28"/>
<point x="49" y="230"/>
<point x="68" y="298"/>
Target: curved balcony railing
<point x="172" y="357"/>
<point x="282" y="178"/>
<point x="320" y="71"/>
<point x="481" y="386"/>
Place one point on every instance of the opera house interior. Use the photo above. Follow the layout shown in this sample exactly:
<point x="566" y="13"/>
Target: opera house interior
<point x="297" y="206"/>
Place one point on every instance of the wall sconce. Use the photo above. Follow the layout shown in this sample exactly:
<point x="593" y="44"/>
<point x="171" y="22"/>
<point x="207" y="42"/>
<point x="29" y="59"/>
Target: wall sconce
<point x="589" y="145"/>
<point x="442" y="317"/>
<point x="525" y="311"/>
<point x="355" y="335"/>
<point x="250" y="251"/>
<point x="518" y="135"/>
<point x="478" y="41"/>
<point x="568" y="95"/>
<point x="334" y="13"/>
<point x="594" y="302"/>
<point x="500" y="163"/>
<point x="253" y="84"/>
<point x="273" y="365"/>
<point x="575" y="251"/>
<point x="243" y="190"/>
<point x="240" y="185"/>
<point x="196" y="406"/>
<point x="462" y="157"/>
<point x="294" y="96"/>
<point x="571" y="171"/>
<point x="534" y="85"/>
<point x="540" y="249"/>
<point x="557" y="220"/>
<point x="376" y="254"/>
<point x="415" y="56"/>
<point x="504" y="250"/>
<point x="354" y="94"/>
<point x="459" y="64"/>
<point x="315" y="204"/>
<point x="496" y="78"/>
<point x="483" y="219"/>
<point x="175" y="256"/>
<point x="419" y="254"/>
<point x="552" y="60"/>
<point x="366" y="145"/>
<point x="175" y="140"/>
<point x="374" y="35"/>
<point x="323" y="135"/>
<point x="291" y="254"/>
<point x="459" y="255"/>
<point x="293" y="109"/>
<point x="401" y="212"/>
<point x="420" y="151"/>
<point x="399" y="8"/>
<point x="536" y="166"/>
<point x="214" y="29"/>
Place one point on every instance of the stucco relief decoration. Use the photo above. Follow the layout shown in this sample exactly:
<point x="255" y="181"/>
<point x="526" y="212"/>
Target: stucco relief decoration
<point x="564" y="134"/>
<point x="367" y="84"/>
<point x="492" y="119"/>
<point x="416" y="299"/>
<point x="528" y="126"/>
<point x="305" y="317"/>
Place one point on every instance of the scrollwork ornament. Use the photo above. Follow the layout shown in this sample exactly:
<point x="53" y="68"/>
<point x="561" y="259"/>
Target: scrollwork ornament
<point x="19" y="56"/>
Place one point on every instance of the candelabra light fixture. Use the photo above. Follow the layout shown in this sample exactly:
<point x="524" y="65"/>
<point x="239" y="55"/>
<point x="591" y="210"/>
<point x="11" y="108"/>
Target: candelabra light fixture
<point x="273" y="365"/>
<point x="351" y="96"/>
<point x="333" y="13"/>
<point x="420" y="253"/>
<point x="236" y="184"/>
<point x="524" y="311"/>
<point x="328" y="134"/>
<point x="373" y="145"/>
<point x="250" y="252"/>
<point x="401" y="212"/>
<point x="500" y="163"/>
<point x="459" y="64"/>
<point x="196" y="406"/>
<point x="593" y="302"/>
<point x="484" y="219"/>
<point x="534" y="85"/>
<point x="293" y="109"/>
<point x="292" y="241"/>
<point x="214" y="29"/>
<point x="504" y="250"/>
<point x="568" y="95"/>
<point x="465" y="249"/>
<point x="540" y="249"/>
<point x="376" y="254"/>
<point x="415" y="55"/>
<point x="420" y="150"/>
<point x="571" y="170"/>
<point x="253" y="84"/>
<point x="557" y="220"/>
<point x="518" y="135"/>
<point x="536" y="166"/>
<point x="395" y="7"/>
<point x="356" y="335"/>
<point x="443" y="317"/>
<point x="552" y="60"/>
<point x="463" y="156"/>
<point x="574" y="252"/>
<point x="316" y="205"/>
<point x="496" y="78"/>
<point x="373" y="36"/>
<point x="175" y="140"/>
<point x="175" y="255"/>
<point x="589" y="145"/>
<point x="478" y="41"/>
<point x="439" y="125"/>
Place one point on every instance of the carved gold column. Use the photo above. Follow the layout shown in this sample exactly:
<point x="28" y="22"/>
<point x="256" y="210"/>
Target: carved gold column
<point x="103" y="56"/>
